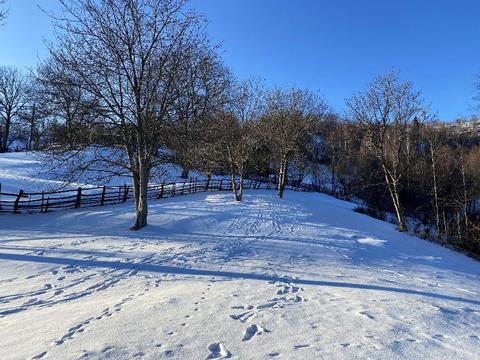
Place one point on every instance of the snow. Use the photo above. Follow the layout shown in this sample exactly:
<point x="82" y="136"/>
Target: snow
<point x="31" y="172"/>
<point x="371" y="241"/>
<point x="304" y="277"/>
<point x="21" y="170"/>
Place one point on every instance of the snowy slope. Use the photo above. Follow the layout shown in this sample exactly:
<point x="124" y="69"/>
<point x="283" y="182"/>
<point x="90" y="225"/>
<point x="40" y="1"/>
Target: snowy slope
<point x="300" y="278"/>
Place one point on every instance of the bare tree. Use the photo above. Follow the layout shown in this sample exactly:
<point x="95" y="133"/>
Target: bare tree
<point x="127" y="54"/>
<point x="236" y="125"/>
<point x="201" y="89"/>
<point x="385" y="111"/>
<point x="13" y="97"/>
<point x="208" y="148"/>
<point x="3" y="11"/>
<point x="291" y="122"/>
<point x="61" y="97"/>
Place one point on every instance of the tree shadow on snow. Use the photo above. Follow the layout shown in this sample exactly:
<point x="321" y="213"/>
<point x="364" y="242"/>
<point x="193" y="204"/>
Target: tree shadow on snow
<point x="116" y="265"/>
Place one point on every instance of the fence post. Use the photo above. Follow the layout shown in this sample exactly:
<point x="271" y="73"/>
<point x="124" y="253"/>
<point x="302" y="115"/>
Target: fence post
<point x="17" y="201"/>
<point x="47" y="204"/>
<point x="161" y="190"/>
<point x="102" y="201"/>
<point x="125" y="192"/>
<point x="43" y="197"/>
<point x="78" y="200"/>
<point x="173" y="190"/>
<point x="220" y="185"/>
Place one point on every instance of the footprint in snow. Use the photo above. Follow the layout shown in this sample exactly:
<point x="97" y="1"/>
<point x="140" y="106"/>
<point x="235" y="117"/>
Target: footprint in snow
<point x="367" y="314"/>
<point x="107" y="349"/>
<point x="285" y="289"/>
<point x="218" y="351"/>
<point x="39" y="356"/>
<point x="253" y="331"/>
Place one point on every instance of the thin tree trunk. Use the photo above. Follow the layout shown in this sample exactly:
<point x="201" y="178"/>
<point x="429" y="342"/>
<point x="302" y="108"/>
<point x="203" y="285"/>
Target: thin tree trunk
<point x="465" y="197"/>
<point x="333" y="171"/>
<point x="32" y="129"/>
<point x="392" y="188"/>
<point x="435" y="189"/>
<point x="282" y="177"/>
<point x="141" y="200"/>
<point x="207" y="182"/>
<point x="235" y="188"/>
<point x="239" y="195"/>
<point x="4" y="145"/>
<point x="459" y="232"/>
<point x="445" y="225"/>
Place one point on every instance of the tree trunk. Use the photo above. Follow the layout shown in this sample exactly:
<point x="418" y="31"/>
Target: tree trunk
<point x="32" y="129"/>
<point x="207" y="182"/>
<point x="237" y="190"/>
<point x="239" y="195"/>
<point x="333" y="171"/>
<point x="392" y="188"/>
<point x="4" y="144"/>
<point x="445" y="225"/>
<point x="282" y="177"/>
<point x="141" y="201"/>
<point x="435" y="190"/>
<point x="459" y="231"/>
<point x="465" y="196"/>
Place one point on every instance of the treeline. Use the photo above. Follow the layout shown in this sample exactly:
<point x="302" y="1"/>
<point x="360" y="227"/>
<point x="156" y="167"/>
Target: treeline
<point x="131" y="85"/>
<point x="390" y="153"/>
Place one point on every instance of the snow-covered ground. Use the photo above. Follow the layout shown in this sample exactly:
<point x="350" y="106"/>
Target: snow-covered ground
<point x="22" y="170"/>
<point x="300" y="278"/>
<point x="31" y="172"/>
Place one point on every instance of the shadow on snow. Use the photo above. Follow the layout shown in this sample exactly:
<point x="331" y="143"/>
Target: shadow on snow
<point x="116" y="265"/>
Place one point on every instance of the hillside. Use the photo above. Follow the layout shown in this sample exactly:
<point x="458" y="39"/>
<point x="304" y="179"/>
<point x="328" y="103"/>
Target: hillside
<point x="300" y="278"/>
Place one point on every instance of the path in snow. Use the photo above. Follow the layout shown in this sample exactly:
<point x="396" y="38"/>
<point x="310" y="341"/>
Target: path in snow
<point x="300" y="278"/>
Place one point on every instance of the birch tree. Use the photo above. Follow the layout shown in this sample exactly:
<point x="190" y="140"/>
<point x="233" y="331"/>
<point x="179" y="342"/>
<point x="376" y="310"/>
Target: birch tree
<point x="385" y="111"/>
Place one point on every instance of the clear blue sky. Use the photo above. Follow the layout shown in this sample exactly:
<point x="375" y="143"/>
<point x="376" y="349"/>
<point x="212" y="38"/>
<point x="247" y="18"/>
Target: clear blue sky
<point x="334" y="46"/>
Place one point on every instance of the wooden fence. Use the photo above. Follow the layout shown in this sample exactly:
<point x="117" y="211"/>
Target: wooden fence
<point x="41" y="202"/>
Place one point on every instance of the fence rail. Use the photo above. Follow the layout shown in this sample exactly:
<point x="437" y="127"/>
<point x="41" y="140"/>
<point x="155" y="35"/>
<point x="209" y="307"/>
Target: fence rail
<point x="41" y="202"/>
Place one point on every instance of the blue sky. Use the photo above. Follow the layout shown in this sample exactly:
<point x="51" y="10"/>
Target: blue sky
<point x="333" y="46"/>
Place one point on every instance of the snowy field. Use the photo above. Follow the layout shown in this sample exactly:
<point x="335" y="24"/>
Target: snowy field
<point x="300" y="278"/>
